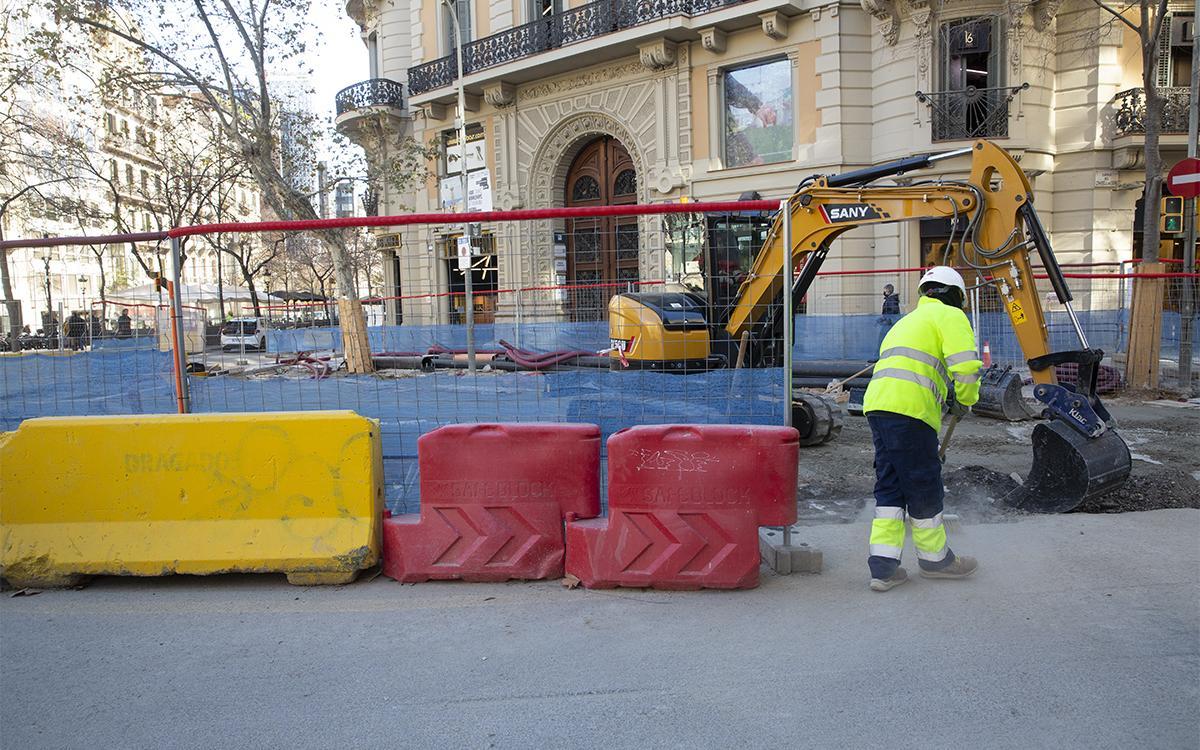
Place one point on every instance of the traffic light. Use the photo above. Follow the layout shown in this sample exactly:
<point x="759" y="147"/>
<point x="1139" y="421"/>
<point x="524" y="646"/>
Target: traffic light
<point x="1170" y="220"/>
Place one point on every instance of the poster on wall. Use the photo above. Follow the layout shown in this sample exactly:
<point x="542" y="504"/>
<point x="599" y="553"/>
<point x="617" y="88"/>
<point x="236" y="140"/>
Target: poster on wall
<point x="479" y="192"/>
<point x="475" y="149"/>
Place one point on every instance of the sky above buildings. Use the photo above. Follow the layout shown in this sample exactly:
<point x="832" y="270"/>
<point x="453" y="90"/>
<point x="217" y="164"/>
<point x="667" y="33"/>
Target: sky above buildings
<point x="337" y="56"/>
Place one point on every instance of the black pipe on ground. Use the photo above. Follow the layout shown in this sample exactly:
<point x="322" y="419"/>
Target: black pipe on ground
<point x="833" y="368"/>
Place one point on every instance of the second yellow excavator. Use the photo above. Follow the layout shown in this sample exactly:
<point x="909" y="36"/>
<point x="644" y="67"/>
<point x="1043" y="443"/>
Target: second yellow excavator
<point x="1077" y="453"/>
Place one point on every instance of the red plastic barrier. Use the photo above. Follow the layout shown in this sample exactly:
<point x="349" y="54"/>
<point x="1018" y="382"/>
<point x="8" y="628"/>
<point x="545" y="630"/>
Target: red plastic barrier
<point x="493" y="501"/>
<point x="685" y="504"/>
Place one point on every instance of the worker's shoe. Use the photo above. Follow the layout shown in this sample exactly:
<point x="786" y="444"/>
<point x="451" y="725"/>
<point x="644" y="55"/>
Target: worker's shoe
<point x="886" y="584"/>
<point x="962" y="567"/>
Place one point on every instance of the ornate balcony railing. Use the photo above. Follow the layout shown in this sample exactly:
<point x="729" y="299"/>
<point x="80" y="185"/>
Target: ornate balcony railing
<point x="971" y="112"/>
<point x="1130" y="111"/>
<point x="376" y="92"/>
<point x="577" y="24"/>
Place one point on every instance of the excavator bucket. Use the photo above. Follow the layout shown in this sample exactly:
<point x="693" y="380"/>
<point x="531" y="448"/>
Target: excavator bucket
<point x="1000" y="395"/>
<point x="1069" y="469"/>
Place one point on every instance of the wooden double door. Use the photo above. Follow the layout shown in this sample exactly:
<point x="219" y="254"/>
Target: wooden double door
<point x="602" y="252"/>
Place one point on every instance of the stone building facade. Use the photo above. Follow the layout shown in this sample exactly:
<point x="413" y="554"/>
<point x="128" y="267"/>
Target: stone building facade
<point x="713" y="99"/>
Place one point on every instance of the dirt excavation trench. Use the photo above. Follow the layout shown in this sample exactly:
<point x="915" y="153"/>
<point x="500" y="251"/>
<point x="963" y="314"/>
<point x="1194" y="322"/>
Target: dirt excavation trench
<point x="988" y="460"/>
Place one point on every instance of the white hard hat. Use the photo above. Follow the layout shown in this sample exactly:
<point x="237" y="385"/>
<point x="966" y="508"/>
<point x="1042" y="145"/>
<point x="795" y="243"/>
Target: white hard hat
<point x="946" y="276"/>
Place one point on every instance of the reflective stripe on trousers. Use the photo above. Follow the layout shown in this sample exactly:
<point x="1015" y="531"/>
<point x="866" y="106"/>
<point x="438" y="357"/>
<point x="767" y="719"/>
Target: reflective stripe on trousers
<point x="929" y="537"/>
<point x="887" y="532"/>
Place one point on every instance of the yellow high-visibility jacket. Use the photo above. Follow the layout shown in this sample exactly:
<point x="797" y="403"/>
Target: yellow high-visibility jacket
<point x="926" y="350"/>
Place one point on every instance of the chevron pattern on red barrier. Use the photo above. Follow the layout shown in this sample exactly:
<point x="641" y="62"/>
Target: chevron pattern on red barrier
<point x="685" y="504"/>
<point x="493" y="501"/>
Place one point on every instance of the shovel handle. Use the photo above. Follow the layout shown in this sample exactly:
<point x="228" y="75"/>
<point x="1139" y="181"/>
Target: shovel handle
<point x="946" y="438"/>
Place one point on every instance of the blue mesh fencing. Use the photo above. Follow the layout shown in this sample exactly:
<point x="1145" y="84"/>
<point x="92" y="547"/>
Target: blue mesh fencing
<point x="591" y="336"/>
<point x="85" y="384"/>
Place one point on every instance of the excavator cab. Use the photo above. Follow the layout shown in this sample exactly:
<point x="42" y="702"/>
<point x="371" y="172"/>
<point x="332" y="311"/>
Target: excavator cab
<point x="1077" y="452"/>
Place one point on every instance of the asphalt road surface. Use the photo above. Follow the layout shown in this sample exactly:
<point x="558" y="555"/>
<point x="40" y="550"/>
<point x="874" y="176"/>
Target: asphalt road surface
<point x="1079" y="631"/>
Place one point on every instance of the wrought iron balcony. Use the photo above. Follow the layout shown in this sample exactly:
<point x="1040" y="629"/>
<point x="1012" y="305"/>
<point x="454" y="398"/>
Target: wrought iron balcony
<point x="574" y="25"/>
<point x="376" y="92"/>
<point x="1130" y="111"/>
<point x="970" y="113"/>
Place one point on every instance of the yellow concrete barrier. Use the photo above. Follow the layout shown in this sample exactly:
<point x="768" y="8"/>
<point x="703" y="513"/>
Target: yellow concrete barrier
<point x="298" y="493"/>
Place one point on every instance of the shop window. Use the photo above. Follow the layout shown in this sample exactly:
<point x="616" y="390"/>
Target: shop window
<point x="757" y="106"/>
<point x="483" y="278"/>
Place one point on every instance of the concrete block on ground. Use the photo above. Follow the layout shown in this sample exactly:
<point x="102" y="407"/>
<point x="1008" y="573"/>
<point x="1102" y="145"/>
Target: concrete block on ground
<point x="797" y="557"/>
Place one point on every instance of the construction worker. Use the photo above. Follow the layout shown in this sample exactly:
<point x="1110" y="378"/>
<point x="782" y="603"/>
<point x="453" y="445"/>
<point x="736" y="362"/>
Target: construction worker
<point x="927" y="362"/>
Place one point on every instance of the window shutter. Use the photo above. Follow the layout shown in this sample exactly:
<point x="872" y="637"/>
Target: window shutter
<point x="1163" y="74"/>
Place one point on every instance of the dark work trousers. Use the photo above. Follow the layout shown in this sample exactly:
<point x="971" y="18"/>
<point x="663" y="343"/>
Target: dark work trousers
<point x="908" y="480"/>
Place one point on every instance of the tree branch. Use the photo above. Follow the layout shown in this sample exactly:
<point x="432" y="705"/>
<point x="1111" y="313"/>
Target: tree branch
<point x="1118" y="16"/>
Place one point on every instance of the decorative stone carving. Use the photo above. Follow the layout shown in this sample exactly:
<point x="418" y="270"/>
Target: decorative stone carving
<point x="885" y="11"/>
<point x="922" y="18"/>
<point x="1044" y="12"/>
<point x="774" y="24"/>
<point x="601" y="75"/>
<point x="435" y="111"/>
<point x="1015" y="9"/>
<point x="657" y="55"/>
<point x="500" y="94"/>
<point x="712" y="39"/>
<point x="551" y="159"/>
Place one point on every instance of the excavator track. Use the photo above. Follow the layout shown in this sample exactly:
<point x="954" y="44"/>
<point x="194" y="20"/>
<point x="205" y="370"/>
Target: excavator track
<point x="817" y="418"/>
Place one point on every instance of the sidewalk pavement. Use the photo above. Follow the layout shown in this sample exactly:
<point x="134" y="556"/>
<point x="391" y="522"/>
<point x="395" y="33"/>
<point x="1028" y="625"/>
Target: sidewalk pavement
<point x="1078" y="631"/>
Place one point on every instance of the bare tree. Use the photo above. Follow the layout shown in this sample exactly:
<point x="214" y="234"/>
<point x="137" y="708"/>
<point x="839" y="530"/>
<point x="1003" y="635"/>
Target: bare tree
<point x="229" y="55"/>
<point x="29" y="171"/>
<point x="1149" y="28"/>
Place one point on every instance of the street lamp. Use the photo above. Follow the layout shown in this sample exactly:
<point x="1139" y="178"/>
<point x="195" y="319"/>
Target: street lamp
<point x="267" y="281"/>
<point x="461" y="124"/>
<point x="49" y="305"/>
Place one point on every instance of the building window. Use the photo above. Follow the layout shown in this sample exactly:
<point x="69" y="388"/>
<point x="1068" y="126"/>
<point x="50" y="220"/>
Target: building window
<point x="972" y="101"/>
<point x="626" y="183"/>
<point x="758" y="113"/>
<point x="464" y="19"/>
<point x="373" y="55"/>
<point x="110" y="122"/>
<point x="129" y="174"/>
<point x="145" y="181"/>
<point x="538" y="9"/>
<point x="113" y="170"/>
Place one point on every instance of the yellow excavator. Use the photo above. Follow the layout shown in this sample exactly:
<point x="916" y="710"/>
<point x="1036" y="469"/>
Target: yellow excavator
<point x="1077" y="453"/>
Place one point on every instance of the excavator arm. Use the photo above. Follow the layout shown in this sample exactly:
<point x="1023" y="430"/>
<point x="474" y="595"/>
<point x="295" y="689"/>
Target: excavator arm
<point x="1076" y="454"/>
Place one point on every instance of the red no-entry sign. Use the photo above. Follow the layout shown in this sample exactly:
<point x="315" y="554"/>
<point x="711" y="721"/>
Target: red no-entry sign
<point x="1184" y="178"/>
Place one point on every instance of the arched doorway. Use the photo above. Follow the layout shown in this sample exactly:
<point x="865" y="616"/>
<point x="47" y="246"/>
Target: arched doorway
<point x="602" y="252"/>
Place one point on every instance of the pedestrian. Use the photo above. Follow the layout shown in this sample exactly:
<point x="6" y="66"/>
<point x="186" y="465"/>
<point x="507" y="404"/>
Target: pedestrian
<point x="124" y="325"/>
<point x="76" y="329"/>
<point x="889" y="314"/>
<point x="891" y="301"/>
<point x="926" y="361"/>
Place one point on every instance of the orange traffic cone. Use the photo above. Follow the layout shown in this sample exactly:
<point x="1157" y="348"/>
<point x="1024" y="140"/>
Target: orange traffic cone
<point x="987" y="355"/>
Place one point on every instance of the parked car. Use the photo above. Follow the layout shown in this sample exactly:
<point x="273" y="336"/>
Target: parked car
<point x="248" y="332"/>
